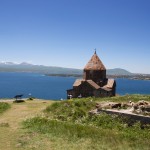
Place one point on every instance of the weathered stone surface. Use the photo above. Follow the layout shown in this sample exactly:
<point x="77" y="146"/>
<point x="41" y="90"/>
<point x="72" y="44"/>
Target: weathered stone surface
<point x="147" y="108"/>
<point x="117" y="105"/>
<point x="136" y="111"/>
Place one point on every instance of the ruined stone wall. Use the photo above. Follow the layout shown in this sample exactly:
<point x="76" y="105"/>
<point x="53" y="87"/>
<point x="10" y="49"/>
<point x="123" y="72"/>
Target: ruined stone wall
<point x="134" y="117"/>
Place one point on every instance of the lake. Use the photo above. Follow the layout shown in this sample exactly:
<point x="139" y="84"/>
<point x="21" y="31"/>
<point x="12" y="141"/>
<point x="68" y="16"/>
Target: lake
<point x="46" y="87"/>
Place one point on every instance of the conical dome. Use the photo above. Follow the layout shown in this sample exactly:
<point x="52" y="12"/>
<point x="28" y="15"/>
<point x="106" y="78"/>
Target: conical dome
<point x="95" y="63"/>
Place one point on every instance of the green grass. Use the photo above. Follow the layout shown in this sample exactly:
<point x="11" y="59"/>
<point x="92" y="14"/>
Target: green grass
<point x="4" y="106"/>
<point x="68" y="125"/>
<point x="76" y="110"/>
<point x="126" y="98"/>
<point x="70" y="110"/>
<point x="129" y="138"/>
<point x="12" y="136"/>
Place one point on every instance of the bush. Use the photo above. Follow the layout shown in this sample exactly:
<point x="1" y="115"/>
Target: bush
<point x="4" y="106"/>
<point x="18" y="101"/>
<point x="4" y="124"/>
<point x="31" y="98"/>
<point x="70" y="109"/>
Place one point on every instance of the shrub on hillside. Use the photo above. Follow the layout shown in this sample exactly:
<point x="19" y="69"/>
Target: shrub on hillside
<point x="4" y="106"/>
<point x="31" y="98"/>
<point x="70" y="109"/>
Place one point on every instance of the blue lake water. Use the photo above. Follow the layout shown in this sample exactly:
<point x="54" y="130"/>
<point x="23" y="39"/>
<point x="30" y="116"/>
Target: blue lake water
<point x="46" y="87"/>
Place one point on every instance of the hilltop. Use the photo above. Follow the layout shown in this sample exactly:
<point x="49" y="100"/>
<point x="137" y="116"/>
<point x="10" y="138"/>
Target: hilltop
<point x="61" y="125"/>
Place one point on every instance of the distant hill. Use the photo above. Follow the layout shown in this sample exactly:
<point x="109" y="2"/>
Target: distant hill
<point x="26" y="67"/>
<point x="118" y="71"/>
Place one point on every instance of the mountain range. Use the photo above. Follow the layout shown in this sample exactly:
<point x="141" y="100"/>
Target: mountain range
<point x="26" y="67"/>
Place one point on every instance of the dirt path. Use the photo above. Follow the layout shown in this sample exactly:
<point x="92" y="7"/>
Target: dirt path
<point x="10" y="121"/>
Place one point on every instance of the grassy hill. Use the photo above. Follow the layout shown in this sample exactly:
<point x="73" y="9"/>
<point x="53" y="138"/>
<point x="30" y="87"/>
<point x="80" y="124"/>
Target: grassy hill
<point x="13" y="136"/>
<point x="62" y="125"/>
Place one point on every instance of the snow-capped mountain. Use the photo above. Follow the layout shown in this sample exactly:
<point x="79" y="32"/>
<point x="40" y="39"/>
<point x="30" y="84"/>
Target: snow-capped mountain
<point x="14" y="63"/>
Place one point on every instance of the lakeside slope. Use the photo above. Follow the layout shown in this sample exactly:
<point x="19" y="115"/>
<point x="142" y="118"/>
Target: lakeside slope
<point x="45" y="125"/>
<point x="11" y="132"/>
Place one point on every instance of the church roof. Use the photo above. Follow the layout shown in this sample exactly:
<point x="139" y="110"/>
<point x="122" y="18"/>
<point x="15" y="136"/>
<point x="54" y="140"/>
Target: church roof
<point x="95" y="63"/>
<point x="93" y="84"/>
<point x="78" y="82"/>
<point x="110" y="84"/>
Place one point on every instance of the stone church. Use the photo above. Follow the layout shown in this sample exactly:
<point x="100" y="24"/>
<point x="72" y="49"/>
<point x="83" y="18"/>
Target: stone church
<point x="94" y="82"/>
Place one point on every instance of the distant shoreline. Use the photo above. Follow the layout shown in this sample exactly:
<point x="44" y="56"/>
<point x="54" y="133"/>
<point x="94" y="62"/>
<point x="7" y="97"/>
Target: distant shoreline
<point x="132" y="77"/>
<point x="65" y="75"/>
<point x="145" y="77"/>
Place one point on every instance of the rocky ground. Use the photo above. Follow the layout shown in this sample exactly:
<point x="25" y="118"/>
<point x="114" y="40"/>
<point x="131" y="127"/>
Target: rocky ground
<point x="139" y="108"/>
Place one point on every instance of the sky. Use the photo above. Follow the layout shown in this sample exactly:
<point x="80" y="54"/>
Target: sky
<point x="65" y="32"/>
